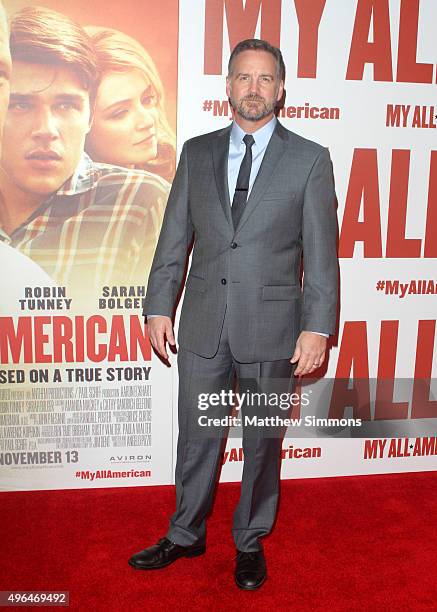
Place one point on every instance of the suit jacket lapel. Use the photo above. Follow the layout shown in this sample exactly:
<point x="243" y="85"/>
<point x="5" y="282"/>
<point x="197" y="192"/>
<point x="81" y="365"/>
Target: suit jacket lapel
<point x="272" y="156"/>
<point x="220" y="152"/>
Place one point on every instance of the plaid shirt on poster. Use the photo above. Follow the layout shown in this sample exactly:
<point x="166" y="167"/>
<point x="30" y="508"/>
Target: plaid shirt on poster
<point x="100" y="228"/>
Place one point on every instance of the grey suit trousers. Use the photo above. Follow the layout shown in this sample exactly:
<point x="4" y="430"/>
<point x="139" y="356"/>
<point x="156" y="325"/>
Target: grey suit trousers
<point x="199" y="457"/>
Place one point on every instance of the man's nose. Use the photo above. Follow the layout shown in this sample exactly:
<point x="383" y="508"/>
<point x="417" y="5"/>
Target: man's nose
<point x="45" y="125"/>
<point x="253" y="86"/>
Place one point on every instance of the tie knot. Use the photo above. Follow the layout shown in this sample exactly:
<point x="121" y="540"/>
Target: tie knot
<point x="248" y="140"/>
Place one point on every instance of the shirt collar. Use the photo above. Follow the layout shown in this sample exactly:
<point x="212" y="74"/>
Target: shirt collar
<point x="83" y="178"/>
<point x="261" y="136"/>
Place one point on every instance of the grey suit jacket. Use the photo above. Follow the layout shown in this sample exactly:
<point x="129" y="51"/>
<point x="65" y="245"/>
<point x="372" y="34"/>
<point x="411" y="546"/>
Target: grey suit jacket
<point x="253" y="270"/>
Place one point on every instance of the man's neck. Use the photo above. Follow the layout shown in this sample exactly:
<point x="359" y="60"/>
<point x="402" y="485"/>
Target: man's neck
<point x="249" y="127"/>
<point x="16" y="205"/>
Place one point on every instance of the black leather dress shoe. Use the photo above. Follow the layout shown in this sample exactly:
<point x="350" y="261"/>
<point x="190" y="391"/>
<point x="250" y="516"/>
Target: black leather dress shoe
<point x="250" y="571"/>
<point x="163" y="554"/>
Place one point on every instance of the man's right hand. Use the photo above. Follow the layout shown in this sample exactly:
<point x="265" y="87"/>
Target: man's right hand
<point x="161" y="331"/>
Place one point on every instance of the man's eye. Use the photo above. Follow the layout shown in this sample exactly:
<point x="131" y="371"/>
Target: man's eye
<point x="19" y="106"/>
<point x="66" y="106"/>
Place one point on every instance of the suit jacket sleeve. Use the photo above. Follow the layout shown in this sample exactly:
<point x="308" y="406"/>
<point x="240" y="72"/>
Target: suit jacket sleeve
<point x="319" y="240"/>
<point x="171" y="252"/>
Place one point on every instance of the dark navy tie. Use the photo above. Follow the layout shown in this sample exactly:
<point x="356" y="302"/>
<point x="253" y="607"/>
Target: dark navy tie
<point x="242" y="188"/>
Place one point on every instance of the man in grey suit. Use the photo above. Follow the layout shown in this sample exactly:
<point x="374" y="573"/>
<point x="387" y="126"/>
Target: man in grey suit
<point x="255" y="197"/>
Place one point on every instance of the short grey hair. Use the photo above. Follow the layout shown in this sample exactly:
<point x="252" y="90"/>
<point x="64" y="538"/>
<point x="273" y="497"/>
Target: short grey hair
<point x="256" y="44"/>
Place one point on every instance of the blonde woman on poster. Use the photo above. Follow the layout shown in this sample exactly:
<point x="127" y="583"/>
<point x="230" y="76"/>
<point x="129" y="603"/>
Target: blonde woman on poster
<point x="130" y="126"/>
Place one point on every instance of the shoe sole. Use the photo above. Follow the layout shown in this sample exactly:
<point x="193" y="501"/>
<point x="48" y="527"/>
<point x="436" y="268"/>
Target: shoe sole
<point x="250" y="588"/>
<point x="192" y="553"/>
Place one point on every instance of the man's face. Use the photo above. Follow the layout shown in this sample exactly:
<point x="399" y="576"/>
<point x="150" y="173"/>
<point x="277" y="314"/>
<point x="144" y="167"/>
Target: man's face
<point x="5" y="71"/>
<point x="253" y="87"/>
<point x="46" y="124"/>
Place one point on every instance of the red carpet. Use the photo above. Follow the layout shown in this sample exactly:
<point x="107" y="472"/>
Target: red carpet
<point x="356" y="543"/>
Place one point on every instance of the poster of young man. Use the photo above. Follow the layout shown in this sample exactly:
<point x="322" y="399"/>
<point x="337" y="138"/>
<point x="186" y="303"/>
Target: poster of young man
<point x="89" y="151"/>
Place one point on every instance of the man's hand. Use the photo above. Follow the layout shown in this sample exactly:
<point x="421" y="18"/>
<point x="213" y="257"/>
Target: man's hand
<point x="161" y="331"/>
<point x="309" y="353"/>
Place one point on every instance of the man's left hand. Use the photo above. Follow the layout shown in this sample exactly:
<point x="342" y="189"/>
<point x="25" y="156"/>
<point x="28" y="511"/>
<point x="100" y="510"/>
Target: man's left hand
<point x="309" y="353"/>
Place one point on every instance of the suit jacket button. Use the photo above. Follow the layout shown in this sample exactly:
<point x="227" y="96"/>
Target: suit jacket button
<point x="223" y="281"/>
<point x="234" y="245"/>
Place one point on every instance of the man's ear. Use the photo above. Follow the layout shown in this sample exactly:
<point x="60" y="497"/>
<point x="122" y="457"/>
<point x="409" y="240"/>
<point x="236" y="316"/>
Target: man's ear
<point x="280" y="91"/>
<point x="228" y="87"/>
